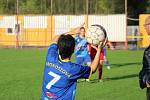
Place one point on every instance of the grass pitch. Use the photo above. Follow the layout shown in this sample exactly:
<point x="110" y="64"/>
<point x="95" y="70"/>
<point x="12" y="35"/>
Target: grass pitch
<point x="21" y="74"/>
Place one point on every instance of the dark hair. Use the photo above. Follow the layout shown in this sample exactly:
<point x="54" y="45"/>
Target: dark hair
<point x="66" y="45"/>
<point x="82" y="28"/>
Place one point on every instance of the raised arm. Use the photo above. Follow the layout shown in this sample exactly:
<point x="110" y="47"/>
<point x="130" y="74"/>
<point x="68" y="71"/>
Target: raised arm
<point x="75" y="30"/>
<point x="55" y="39"/>
<point x="95" y="62"/>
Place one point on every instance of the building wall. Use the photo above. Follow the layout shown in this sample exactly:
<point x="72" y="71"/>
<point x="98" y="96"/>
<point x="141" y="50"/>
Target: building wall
<point x="39" y="30"/>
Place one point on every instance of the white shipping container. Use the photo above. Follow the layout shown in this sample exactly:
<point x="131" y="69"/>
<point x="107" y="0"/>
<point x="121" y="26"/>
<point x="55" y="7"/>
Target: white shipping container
<point x="115" y="26"/>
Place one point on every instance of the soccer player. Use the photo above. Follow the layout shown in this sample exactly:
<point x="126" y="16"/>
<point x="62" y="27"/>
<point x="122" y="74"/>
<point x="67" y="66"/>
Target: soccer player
<point x="93" y="52"/>
<point x="82" y="56"/>
<point x="60" y="74"/>
<point x="103" y="58"/>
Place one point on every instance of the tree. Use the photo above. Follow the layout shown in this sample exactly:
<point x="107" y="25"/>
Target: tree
<point x="29" y="7"/>
<point x="106" y="6"/>
<point x="2" y="3"/>
<point x="148" y="7"/>
<point x="7" y="6"/>
<point x="136" y="7"/>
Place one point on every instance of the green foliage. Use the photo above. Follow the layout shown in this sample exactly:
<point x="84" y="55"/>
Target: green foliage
<point x="136" y="7"/>
<point x="62" y="6"/>
<point x="30" y="7"/>
<point x="148" y="7"/>
<point x="106" y="6"/>
<point x="7" y="6"/>
<point x="78" y="7"/>
<point x="2" y="6"/>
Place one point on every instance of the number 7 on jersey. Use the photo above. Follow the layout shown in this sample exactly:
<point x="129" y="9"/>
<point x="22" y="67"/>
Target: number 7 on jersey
<point x="53" y="81"/>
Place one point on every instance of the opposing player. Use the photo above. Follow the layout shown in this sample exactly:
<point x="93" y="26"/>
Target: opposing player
<point x="102" y="59"/>
<point x="93" y="52"/>
<point x="60" y="74"/>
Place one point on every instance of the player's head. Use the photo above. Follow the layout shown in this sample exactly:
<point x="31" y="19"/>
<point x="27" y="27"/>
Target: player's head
<point x="66" y="45"/>
<point x="82" y="32"/>
<point x="147" y="24"/>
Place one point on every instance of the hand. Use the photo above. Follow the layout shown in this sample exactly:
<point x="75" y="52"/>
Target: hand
<point x="67" y="33"/>
<point x="76" y="30"/>
<point x="71" y="33"/>
<point x="148" y="84"/>
<point x="82" y="24"/>
<point x="101" y="45"/>
<point x="105" y="42"/>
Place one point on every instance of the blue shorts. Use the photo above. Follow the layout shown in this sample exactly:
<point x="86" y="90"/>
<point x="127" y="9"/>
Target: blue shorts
<point x="83" y="60"/>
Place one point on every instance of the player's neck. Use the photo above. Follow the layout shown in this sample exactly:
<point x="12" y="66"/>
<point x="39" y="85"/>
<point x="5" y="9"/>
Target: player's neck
<point x="64" y="60"/>
<point x="82" y="37"/>
<point x="67" y="59"/>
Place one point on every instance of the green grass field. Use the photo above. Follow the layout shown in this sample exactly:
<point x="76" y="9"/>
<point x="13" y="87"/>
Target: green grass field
<point x="21" y="73"/>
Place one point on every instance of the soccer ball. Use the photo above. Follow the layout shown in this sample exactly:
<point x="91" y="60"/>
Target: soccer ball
<point x="95" y="34"/>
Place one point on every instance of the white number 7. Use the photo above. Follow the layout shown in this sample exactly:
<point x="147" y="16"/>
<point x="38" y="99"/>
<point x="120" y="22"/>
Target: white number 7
<point x="53" y="81"/>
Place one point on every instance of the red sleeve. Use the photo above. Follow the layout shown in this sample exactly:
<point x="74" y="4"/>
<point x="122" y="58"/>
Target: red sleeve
<point x="89" y="48"/>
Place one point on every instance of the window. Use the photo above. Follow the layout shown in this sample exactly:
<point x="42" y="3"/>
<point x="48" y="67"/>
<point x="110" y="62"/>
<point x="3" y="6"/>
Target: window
<point x="10" y="30"/>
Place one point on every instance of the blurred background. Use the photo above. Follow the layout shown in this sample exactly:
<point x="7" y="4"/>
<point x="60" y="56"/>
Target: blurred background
<point x="33" y="23"/>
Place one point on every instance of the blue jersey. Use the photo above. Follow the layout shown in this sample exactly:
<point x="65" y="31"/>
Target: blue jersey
<point x="60" y="77"/>
<point x="81" y="47"/>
